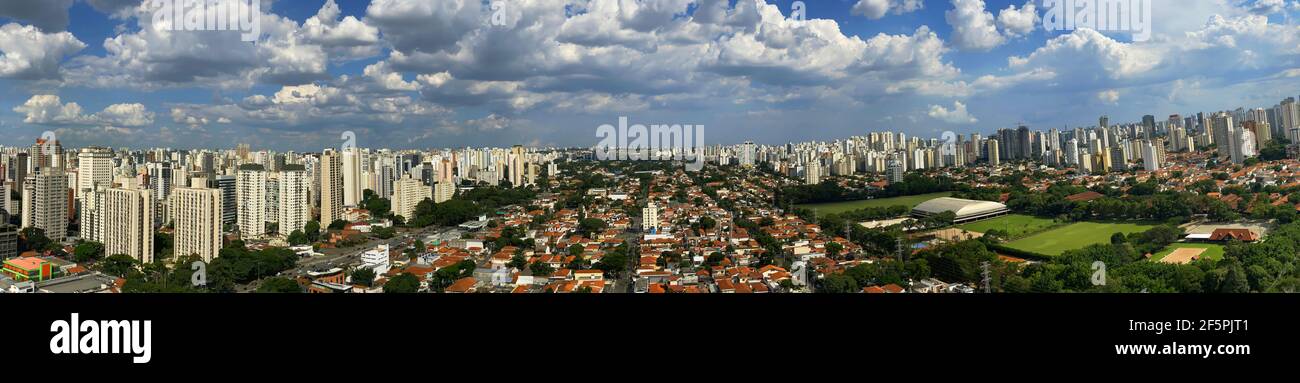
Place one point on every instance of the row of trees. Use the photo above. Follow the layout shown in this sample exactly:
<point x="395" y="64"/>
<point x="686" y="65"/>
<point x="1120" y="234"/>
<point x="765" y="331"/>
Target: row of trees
<point x="1154" y="207"/>
<point x="831" y="191"/>
<point x="1267" y="266"/>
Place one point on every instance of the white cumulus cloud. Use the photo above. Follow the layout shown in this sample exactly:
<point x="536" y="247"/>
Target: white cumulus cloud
<point x="956" y="115"/>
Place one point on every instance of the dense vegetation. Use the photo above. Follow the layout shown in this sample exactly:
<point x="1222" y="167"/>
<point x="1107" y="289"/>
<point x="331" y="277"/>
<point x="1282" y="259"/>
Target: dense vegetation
<point x="830" y="191"/>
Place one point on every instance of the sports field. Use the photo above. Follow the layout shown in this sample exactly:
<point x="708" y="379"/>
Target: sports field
<point x="1074" y="236"/>
<point x="1183" y="252"/>
<point x="839" y="207"/>
<point x="1015" y="225"/>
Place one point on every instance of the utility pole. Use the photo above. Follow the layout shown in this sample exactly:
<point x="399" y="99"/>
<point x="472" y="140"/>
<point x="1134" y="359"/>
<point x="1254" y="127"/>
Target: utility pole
<point x="985" y="280"/>
<point x="902" y="249"/>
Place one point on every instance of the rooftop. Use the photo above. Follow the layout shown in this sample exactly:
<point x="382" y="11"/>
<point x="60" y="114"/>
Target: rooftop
<point x="960" y="207"/>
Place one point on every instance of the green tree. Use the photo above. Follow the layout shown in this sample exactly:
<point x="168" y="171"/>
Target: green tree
<point x="612" y="264"/>
<point x="833" y="249"/>
<point x="590" y="226"/>
<point x="118" y="265"/>
<point x="34" y="239"/>
<point x="518" y="262"/>
<point x="402" y="283"/>
<point x="838" y="284"/>
<point x="312" y="230"/>
<point x="88" y="251"/>
<point x="541" y="269"/>
<point x="363" y="276"/>
<point x="297" y="237"/>
<point x="279" y="285"/>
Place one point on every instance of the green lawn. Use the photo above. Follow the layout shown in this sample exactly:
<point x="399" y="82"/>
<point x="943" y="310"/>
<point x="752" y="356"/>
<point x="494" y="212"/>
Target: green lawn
<point x="1015" y="225"/>
<point x="1212" y="251"/>
<point x="840" y="207"/>
<point x="1074" y="236"/>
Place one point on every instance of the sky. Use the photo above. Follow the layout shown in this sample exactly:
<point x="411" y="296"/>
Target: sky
<point x="454" y="73"/>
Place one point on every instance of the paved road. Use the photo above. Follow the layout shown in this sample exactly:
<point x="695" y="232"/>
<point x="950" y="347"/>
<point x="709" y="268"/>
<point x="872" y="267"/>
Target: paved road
<point x="633" y="258"/>
<point x="349" y="256"/>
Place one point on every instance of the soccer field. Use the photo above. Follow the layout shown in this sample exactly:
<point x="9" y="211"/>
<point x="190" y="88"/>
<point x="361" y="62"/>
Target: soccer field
<point x="1015" y="225"/>
<point x="1074" y="236"/>
<point x="839" y="207"/>
<point x="1212" y="251"/>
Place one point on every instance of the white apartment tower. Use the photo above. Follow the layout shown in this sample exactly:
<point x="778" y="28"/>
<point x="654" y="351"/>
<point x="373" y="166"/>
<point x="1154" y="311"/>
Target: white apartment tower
<point x="650" y="218"/>
<point x="1150" y="160"/>
<point x="94" y="169"/>
<point x="129" y="210"/>
<point x="408" y="192"/>
<point x="250" y="200"/>
<point x="294" y="210"/>
<point x="518" y="166"/>
<point x="196" y="216"/>
<point x="351" y="177"/>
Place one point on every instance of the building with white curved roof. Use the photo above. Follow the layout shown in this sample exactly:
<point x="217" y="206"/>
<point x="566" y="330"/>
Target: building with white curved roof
<point x="965" y="209"/>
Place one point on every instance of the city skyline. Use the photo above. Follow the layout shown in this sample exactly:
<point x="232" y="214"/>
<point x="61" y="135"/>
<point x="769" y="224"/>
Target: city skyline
<point x="547" y="74"/>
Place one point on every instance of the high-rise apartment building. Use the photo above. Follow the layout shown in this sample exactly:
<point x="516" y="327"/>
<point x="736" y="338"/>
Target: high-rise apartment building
<point x="197" y="220"/>
<point x="352" y="183"/>
<point x="994" y="153"/>
<point x="229" y="210"/>
<point x="128" y="212"/>
<point x="331" y="187"/>
<point x="650" y="218"/>
<point x="292" y="208"/>
<point x="250" y="199"/>
<point x="518" y="166"/>
<point x="1224" y="131"/>
<point x="45" y="203"/>
<point x="407" y="193"/>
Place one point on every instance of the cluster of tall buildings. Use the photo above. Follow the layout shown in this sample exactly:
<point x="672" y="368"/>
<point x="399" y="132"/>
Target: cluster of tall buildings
<point x="123" y="197"/>
<point x="1233" y="135"/>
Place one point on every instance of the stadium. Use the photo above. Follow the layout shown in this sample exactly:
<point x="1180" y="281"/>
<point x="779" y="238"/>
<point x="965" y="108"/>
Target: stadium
<point x="966" y="210"/>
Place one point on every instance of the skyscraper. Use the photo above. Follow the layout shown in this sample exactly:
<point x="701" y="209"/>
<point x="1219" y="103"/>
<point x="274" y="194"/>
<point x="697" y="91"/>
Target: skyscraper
<point x="1150" y="161"/>
<point x="994" y="155"/>
<point x="1289" y="116"/>
<point x="445" y="187"/>
<point x="292" y="207"/>
<point x="94" y="169"/>
<point x="45" y="203"/>
<point x="895" y="168"/>
<point x="129" y="212"/>
<point x="229" y="210"/>
<point x="331" y="187"/>
<point x="197" y="219"/>
<point x="1023" y="142"/>
<point x="518" y="166"/>
<point x="408" y="192"/>
<point x="1148" y="126"/>
<point x="351" y="176"/>
<point x="1224" y="133"/>
<point x="160" y="179"/>
<point x="250" y="199"/>
<point x="747" y="154"/>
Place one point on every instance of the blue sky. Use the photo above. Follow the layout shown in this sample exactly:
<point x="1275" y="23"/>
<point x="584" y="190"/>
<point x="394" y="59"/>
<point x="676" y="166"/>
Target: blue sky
<point x="420" y="74"/>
